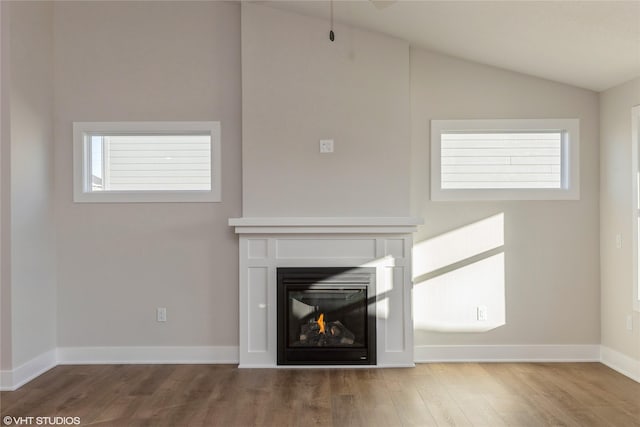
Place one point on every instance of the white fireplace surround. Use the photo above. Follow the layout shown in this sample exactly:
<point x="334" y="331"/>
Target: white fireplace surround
<point x="269" y="243"/>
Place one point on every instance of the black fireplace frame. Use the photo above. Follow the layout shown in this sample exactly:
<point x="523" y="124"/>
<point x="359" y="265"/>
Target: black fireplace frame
<point x="303" y="278"/>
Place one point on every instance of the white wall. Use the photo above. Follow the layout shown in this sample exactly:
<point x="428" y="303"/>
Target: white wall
<point x="615" y="217"/>
<point x="119" y="61"/>
<point x="298" y="88"/>
<point x="549" y="279"/>
<point x="30" y="254"/>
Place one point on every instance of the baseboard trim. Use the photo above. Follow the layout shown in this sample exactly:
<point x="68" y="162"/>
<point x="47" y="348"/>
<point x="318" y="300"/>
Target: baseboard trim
<point x="16" y="378"/>
<point x="265" y="366"/>
<point x="621" y="362"/>
<point x="507" y="353"/>
<point x="147" y="355"/>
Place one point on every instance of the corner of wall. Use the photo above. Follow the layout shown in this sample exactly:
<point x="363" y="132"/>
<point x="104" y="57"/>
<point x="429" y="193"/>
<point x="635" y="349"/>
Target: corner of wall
<point x="616" y="218"/>
<point x="5" y="191"/>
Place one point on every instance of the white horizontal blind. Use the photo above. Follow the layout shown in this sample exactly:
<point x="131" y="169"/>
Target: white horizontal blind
<point x="155" y="163"/>
<point x="496" y="160"/>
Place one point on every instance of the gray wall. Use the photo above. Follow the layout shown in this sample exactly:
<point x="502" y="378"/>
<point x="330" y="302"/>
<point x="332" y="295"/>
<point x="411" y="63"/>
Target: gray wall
<point x="30" y="255"/>
<point x="551" y="259"/>
<point x="128" y="61"/>
<point x="116" y="263"/>
<point x="298" y="88"/>
<point x="616" y="217"/>
<point x="5" y="193"/>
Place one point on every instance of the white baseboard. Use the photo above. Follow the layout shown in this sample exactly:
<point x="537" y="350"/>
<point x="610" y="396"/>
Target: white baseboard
<point x="507" y="353"/>
<point x="16" y="378"/>
<point x="621" y="363"/>
<point x="265" y="366"/>
<point x="144" y="355"/>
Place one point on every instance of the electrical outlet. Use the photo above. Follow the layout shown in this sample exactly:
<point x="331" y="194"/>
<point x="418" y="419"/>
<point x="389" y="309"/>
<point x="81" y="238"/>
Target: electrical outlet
<point x="161" y="314"/>
<point x="618" y="241"/>
<point x="629" y="322"/>
<point x="481" y="313"/>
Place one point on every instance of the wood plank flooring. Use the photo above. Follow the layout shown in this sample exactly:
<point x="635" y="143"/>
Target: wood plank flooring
<point x="461" y="394"/>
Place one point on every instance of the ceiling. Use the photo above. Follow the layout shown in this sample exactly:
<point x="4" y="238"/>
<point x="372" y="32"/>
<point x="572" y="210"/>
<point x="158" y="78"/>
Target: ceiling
<point x="589" y="44"/>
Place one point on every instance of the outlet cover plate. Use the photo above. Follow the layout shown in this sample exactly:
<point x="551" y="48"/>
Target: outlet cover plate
<point x="481" y="312"/>
<point x="326" y="146"/>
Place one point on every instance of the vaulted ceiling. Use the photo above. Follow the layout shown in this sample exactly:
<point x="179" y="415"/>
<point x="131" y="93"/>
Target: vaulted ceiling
<point x="590" y="44"/>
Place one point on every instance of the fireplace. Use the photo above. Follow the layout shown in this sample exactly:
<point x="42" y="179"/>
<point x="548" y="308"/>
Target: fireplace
<point x="326" y="315"/>
<point x="380" y="245"/>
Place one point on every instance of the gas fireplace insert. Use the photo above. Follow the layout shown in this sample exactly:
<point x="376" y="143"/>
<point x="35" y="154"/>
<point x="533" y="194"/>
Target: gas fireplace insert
<point x="326" y="316"/>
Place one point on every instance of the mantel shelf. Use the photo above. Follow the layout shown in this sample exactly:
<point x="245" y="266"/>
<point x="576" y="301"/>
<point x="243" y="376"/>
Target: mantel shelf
<point x="324" y="225"/>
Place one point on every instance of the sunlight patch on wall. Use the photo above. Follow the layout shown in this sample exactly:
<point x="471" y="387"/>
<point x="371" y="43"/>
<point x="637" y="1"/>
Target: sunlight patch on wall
<point x="449" y="302"/>
<point x="459" y="279"/>
<point x="458" y="245"/>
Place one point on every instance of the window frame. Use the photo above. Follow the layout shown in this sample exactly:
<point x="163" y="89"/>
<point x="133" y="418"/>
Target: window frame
<point x="82" y="160"/>
<point x="635" y="204"/>
<point x="570" y="159"/>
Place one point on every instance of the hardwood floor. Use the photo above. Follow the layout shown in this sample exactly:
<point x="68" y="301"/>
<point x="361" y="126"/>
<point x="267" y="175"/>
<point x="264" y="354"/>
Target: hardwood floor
<point x="465" y="394"/>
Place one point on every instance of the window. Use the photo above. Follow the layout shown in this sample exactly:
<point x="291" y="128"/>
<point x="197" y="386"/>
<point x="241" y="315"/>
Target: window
<point x="635" y="197"/>
<point x="505" y="159"/>
<point x="146" y="161"/>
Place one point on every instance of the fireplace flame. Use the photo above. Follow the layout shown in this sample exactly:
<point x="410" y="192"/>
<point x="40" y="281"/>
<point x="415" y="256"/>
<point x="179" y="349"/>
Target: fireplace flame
<point x="321" y="323"/>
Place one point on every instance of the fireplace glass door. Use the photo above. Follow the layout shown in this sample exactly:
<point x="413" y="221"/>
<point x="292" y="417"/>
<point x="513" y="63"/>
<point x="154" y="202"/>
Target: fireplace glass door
<point x="326" y="316"/>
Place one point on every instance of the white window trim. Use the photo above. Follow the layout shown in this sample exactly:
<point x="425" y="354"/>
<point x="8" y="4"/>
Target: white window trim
<point x="81" y="161"/>
<point x="571" y="158"/>
<point x="635" y="211"/>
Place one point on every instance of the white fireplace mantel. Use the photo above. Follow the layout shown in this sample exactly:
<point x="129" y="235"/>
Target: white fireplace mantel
<point x="335" y="225"/>
<point x="267" y="244"/>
